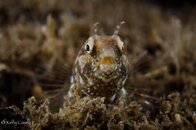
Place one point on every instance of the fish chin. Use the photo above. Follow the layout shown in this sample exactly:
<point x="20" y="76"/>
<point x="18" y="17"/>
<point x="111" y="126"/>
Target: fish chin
<point x="107" y="69"/>
<point x="106" y="72"/>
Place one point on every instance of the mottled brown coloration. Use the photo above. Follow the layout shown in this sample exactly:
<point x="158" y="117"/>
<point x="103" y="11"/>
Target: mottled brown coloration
<point x="101" y="69"/>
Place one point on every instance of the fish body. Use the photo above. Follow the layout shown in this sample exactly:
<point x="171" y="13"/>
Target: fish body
<point x="100" y="69"/>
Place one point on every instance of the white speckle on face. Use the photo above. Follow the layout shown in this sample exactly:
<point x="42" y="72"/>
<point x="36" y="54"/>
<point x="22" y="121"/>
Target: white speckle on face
<point x="81" y="80"/>
<point x="125" y="61"/>
<point x="82" y="60"/>
<point x="70" y="90"/>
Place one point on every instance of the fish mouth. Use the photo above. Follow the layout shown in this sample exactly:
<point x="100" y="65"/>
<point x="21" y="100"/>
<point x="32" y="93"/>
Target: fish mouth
<point x="107" y="65"/>
<point x="108" y="60"/>
<point x="106" y="68"/>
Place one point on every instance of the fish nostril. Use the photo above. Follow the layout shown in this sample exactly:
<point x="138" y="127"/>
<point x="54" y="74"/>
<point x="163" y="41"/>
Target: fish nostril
<point x="107" y="60"/>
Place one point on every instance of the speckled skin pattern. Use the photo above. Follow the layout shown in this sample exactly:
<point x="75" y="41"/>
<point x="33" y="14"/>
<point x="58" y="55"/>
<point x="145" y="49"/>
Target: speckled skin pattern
<point x="100" y="69"/>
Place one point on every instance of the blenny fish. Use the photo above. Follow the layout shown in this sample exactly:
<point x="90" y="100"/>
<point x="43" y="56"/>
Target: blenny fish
<point x="100" y="69"/>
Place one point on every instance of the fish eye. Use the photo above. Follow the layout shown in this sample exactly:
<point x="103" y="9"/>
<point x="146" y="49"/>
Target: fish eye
<point x="89" y="45"/>
<point x="87" y="48"/>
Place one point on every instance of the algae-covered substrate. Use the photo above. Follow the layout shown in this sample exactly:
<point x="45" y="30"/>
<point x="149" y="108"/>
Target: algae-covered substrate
<point x="40" y="39"/>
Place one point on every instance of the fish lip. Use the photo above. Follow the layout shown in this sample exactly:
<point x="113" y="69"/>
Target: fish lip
<point x="107" y="60"/>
